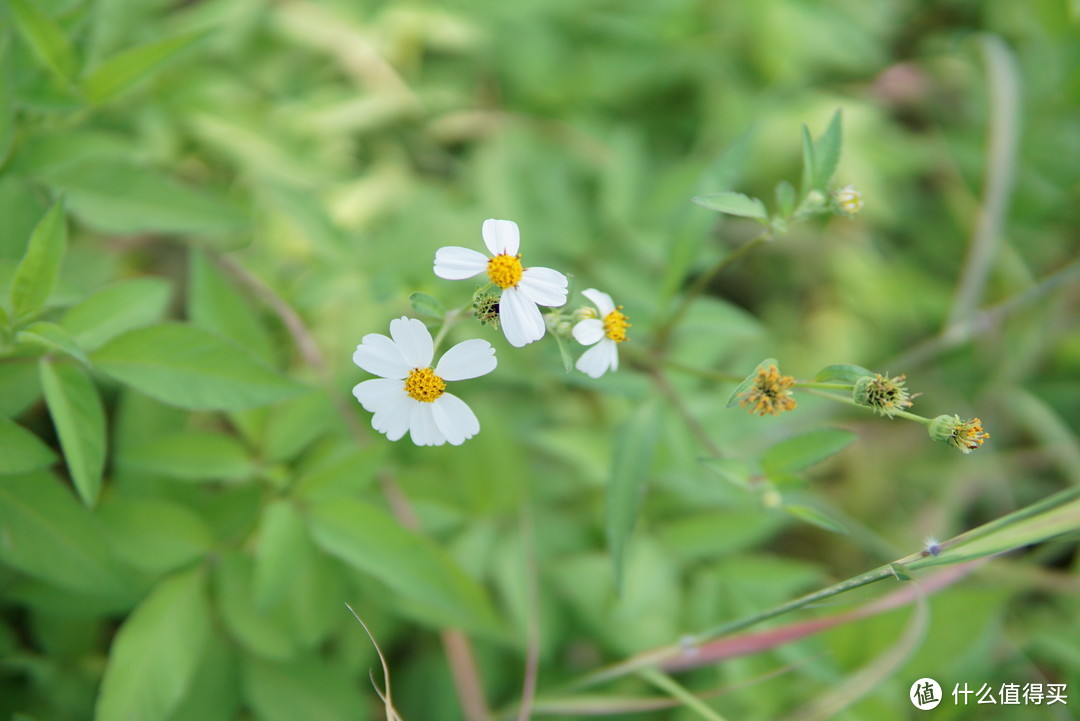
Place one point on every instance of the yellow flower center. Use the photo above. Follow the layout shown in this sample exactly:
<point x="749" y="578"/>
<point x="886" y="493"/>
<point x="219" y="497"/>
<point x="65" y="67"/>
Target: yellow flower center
<point x="423" y="385"/>
<point x="505" y="270"/>
<point x="615" y="325"/>
<point x="970" y="435"/>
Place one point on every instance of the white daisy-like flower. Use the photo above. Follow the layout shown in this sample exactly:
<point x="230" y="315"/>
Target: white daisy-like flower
<point x="523" y="289"/>
<point x="411" y="394"/>
<point x="603" y="333"/>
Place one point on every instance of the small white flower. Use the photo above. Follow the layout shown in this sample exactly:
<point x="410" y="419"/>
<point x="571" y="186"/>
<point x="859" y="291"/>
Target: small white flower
<point x="604" y="335"/>
<point x="410" y="396"/>
<point x="523" y="289"/>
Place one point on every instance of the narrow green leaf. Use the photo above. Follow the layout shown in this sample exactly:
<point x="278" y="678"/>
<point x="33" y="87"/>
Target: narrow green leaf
<point x="191" y="368"/>
<point x="630" y="468"/>
<point x="564" y="353"/>
<point x="21" y="451"/>
<point x="191" y="455"/>
<point x="116" y="309"/>
<point x="370" y="540"/>
<point x="79" y="418"/>
<point x="7" y="101"/>
<point x="815" y="517"/>
<point x="803" y="451"/>
<point x="50" y="336"/>
<point x="36" y="272"/>
<point x="214" y="303"/>
<point x="733" y="399"/>
<point x="785" y="198"/>
<point x="152" y="534"/>
<point x="45" y="38"/>
<point x="809" y="170"/>
<point x="827" y="154"/>
<point x="843" y="372"/>
<point x="279" y="554"/>
<point x="733" y="204"/>
<point x="900" y="571"/>
<point x="427" y="305"/>
<point x="124" y="70"/>
<point x="157" y="651"/>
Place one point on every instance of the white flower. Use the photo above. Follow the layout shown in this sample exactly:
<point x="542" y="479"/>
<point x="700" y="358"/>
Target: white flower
<point x="604" y="335"/>
<point x="410" y="396"/>
<point x="523" y="289"/>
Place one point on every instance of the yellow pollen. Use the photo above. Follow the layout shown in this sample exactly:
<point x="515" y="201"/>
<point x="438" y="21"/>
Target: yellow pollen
<point x="971" y="435"/>
<point x="505" y="270"/>
<point x="423" y="385"/>
<point x="615" y="325"/>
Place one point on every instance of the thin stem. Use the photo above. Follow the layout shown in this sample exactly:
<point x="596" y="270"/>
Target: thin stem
<point x="449" y="320"/>
<point x="676" y="690"/>
<point x="532" y="612"/>
<point x="664" y="384"/>
<point x="702" y="372"/>
<point x="824" y="386"/>
<point x="851" y="402"/>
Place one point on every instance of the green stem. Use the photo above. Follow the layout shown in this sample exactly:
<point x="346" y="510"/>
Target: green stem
<point x="667" y="684"/>
<point x="449" y="320"/>
<point x="702" y="372"/>
<point x="824" y="386"/>
<point x="851" y="402"/>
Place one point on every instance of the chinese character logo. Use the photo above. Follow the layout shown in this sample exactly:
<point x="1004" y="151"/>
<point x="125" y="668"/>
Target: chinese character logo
<point x="925" y="694"/>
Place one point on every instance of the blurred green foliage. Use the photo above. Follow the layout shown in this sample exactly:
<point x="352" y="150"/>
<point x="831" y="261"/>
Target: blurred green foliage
<point x="204" y="206"/>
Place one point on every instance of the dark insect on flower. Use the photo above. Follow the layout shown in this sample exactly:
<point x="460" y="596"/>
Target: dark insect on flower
<point x="486" y="309"/>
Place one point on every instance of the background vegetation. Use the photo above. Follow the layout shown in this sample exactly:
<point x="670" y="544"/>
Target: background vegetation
<point x="205" y="205"/>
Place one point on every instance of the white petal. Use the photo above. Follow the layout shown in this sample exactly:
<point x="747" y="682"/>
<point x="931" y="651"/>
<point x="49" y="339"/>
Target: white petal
<point x="469" y="359"/>
<point x="597" y="359"/>
<point x="501" y="236"/>
<point x="588" y="331"/>
<point x="456" y="263"/>
<point x="520" y="318"/>
<point x="614" y="361"/>
<point x="413" y="340"/>
<point x="422" y="426"/>
<point x="544" y="286"/>
<point x="455" y="419"/>
<point x="379" y="394"/>
<point x="379" y="355"/>
<point x="602" y="301"/>
<point x="393" y="418"/>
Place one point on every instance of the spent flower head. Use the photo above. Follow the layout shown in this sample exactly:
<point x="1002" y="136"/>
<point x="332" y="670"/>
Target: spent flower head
<point x="965" y="436"/>
<point x="603" y="331"/>
<point x="883" y="394"/>
<point x="411" y="395"/>
<point x="770" y="394"/>
<point x="848" y="200"/>
<point x="523" y="289"/>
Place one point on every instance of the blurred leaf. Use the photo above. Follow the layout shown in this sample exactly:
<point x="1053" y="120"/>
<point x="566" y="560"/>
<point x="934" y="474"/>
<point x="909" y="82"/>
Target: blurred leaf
<point x="785" y="198"/>
<point x="19" y="386"/>
<point x="293" y="424"/>
<point x="116" y="309"/>
<point x="47" y="534"/>
<point x="815" y="517"/>
<point x="191" y="368"/>
<point x="827" y="154"/>
<point x="153" y="534"/>
<point x="843" y="372"/>
<point x="279" y="552"/>
<point x="191" y="455"/>
<point x="124" y="70"/>
<point x="809" y="163"/>
<point x="370" y="540"/>
<point x="308" y="688"/>
<point x="214" y="692"/>
<point x="339" y="469"/>
<point x="79" y="418"/>
<point x="427" y="305"/>
<point x="803" y="451"/>
<point x="21" y="451"/>
<point x="564" y="353"/>
<point x="51" y="337"/>
<point x="733" y="204"/>
<point x="733" y="399"/>
<point x="733" y="470"/>
<point x="45" y="37"/>
<point x="7" y="101"/>
<point x="631" y="466"/>
<point x="215" y="304"/>
<point x="157" y="651"/>
<point x="116" y="197"/>
<point x="36" y="273"/>
<point x="264" y="633"/>
<point x="712" y="533"/>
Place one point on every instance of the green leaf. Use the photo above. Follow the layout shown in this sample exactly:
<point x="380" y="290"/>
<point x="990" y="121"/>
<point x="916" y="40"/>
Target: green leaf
<point x="733" y="399"/>
<point x="733" y="204"/>
<point x="191" y="455"/>
<point x="311" y="689"/>
<point x="152" y="534"/>
<point x="803" y="451"/>
<point x="294" y="424"/>
<point x="47" y="534"/>
<point x="827" y="154"/>
<point x="809" y="170"/>
<point x="631" y="466"/>
<point x="116" y="197"/>
<point x="214" y="303"/>
<point x="157" y="651"/>
<point x="116" y="309"/>
<point x="214" y="691"/>
<point x="564" y="353"/>
<point x="785" y="198"/>
<point x="370" y="540"/>
<point x="19" y="387"/>
<point x="79" y="418"/>
<point x="21" y="451"/>
<point x="279" y="552"/>
<point x="427" y="305"/>
<point x="51" y="337"/>
<point x="262" y="633"/>
<point x="36" y="272"/>
<point x="7" y="102"/>
<point x="124" y="70"/>
<point x="191" y="368"/>
<point x="45" y="38"/>
<point x="815" y="517"/>
<point x="843" y="372"/>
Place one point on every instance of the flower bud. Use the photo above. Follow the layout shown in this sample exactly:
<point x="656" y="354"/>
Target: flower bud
<point x="883" y="394"/>
<point x="848" y="201"/>
<point x="584" y="313"/>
